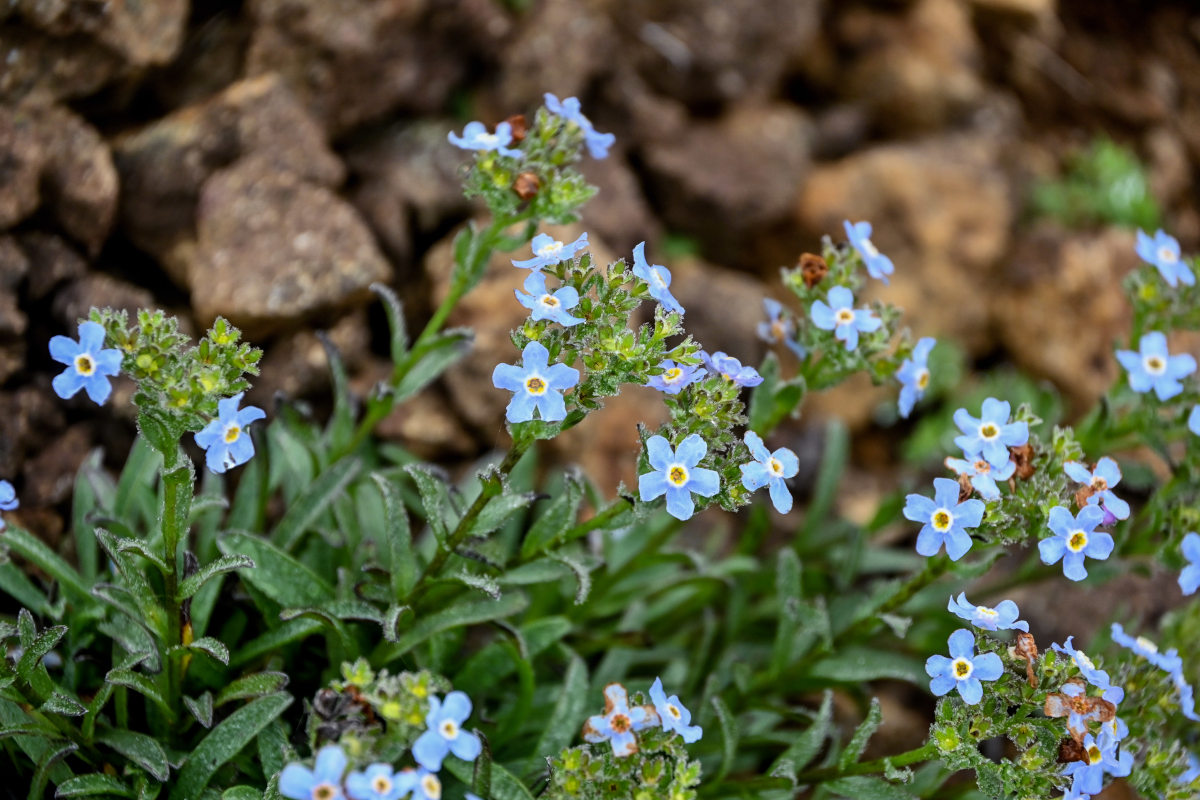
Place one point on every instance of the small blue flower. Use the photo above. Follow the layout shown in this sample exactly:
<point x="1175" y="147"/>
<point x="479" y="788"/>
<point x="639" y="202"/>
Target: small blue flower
<point x="1095" y="676"/>
<point x="963" y="670"/>
<point x="226" y="440"/>
<point x="778" y="328"/>
<point x="1075" y="537"/>
<point x="8" y="499"/>
<point x="1116" y="728"/>
<point x="544" y="305"/>
<point x="657" y="277"/>
<point x="674" y="716"/>
<point x="379" y="782"/>
<point x="1163" y="252"/>
<point x="1169" y="662"/>
<point x="444" y="733"/>
<point x="1189" y="577"/>
<point x="597" y="143"/>
<point x="731" y="369"/>
<point x="1194" y="420"/>
<point x="878" y="265"/>
<point x="914" y="376"/>
<point x="769" y="469"/>
<point x="89" y="366"/>
<point x="1155" y="368"/>
<point x="982" y="475"/>
<point x="535" y="385"/>
<point x="1001" y="618"/>
<point x="548" y="251"/>
<point x="425" y="785"/>
<point x="1187" y="696"/>
<point x="323" y="782"/>
<point x="675" y="376"/>
<point x="946" y="520"/>
<point x="840" y="316"/>
<point x="476" y="137"/>
<point x="1077" y="721"/>
<point x="675" y="474"/>
<point x="1193" y="770"/>
<point x="618" y="724"/>
<point x="992" y="434"/>
<point x="1101" y="480"/>
<point x="1088" y="776"/>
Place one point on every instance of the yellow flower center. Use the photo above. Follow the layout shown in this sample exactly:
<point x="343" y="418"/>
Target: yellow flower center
<point x="324" y="791"/>
<point x="620" y="723"/>
<point x="232" y="433"/>
<point x="535" y="385"/>
<point x="677" y="475"/>
<point x="1167" y="255"/>
<point x="432" y="787"/>
<point x="84" y="365"/>
<point x="988" y="431"/>
<point x="1147" y="645"/>
<point x="381" y="784"/>
<point x="449" y="729"/>
<point x="778" y="331"/>
<point x="1094" y="754"/>
<point x="774" y="466"/>
<point x="845" y="316"/>
<point x="922" y="379"/>
<point x="962" y="668"/>
<point x="1155" y="365"/>
<point x="1099" y="484"/>
<point x="549" y="300"/>
<point x="672" y="375"/>
<point x="941" y="519"/>
<point x="673" y="710"/>
<point x="986" y="612"/>
<point x="1077" y="541"/>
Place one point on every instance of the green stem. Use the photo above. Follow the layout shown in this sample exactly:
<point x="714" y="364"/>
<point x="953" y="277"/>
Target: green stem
<point x="177" y="500"/>
<point x="923" y="753"/>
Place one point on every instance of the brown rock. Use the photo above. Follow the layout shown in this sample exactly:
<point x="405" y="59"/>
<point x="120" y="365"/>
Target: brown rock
<point x="723" y="307"/>
<point x="142" y="33"/>
<point x="424" y="424"/>
<point x="13" y="263"/>
<point x="46" y="69"/>
<point x="209" y="61"/>
<point x="25" y="412"/>
<point x="50" y="475"/>
<point x="273" y="249"/>
<point x="95" y="289"/>
<point x="942" y="211"/>
<point x="296" y="364"/>
<point x="21" y="158"/>
<point x="606" y="444"/>
<point x="56" y="262"/>
<point x="619" y="213"/>
<point x="560" y="47"/>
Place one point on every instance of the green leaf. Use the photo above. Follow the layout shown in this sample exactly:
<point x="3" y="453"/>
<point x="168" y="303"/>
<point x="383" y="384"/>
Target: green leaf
<point x="499" y="509"/>
<point x="35" y="551"/>
<point x="250" y="502"/>
<point x="257" y="685"/>
<point x="457" y="616"/>
<point x="83" y="502"/>
<point x="16" y="584"/>
<point x="42" y="644"/>
<point x="192" y="583"/>
<point x="137" y="478"/>
<point x="139" y="748"/>
<point x="789" y="593"/>
<point x="313" y="501"/>
<point x="271" y="641"/>
<point x="50" y="757"/>
<point x="556" y="518"/>
<point x="504" y="785"/>
<point x="276" y="574"/>
<point x="139" y="548"/>
<point x="395" y="318"/>
<point x="139" y="683"/>
<point x="201" y="708"/>
<point x="396" y="549"/>
<point x="59" y="703"/>
<point x="729" y="736"/>
<point x="808" y="744"/>
<point x="861" y="787"/>
<point x="224" y="742"/>
<point x="241" y="793"/>
<point x="435" y="499"/>
<point x="833" y="463"/>
<point x="87" y="785"/>
<point x="860" y="664"/>
<point x="211" y="647"/>
<point x="341" y="422"/>
<point x="436" y="356"/>
<point x="864" y="731"/>
<point x="562" y="724"/>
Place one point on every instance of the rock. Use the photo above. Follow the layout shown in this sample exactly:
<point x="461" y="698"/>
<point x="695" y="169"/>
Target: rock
<point x="619" y="213"/>
<point x="50" y="475"/>
<point x="941" y="209"/>
<point x="1073" y="280"/>
<point x="606" y="444"/>
<point x="14" y="264"/>
<point x="73" y="302"/>
<point x="164" y="165"/>
<point x="21" y="158"/>
<point x="209" y="61"/>
<point x="916" y="72"/>
<point x="723" y="307"/>
<point x="309" y="251"/>
<point x="78" y="177"/>
<point x="45" y="69"/>
<point x="1170" y="168"/>
<point x="425" y="425"/>
<point x="296" y="364"/>
<point x="706" y="52"/>
<point x="56" y="260"/>
<point x="26" y="413"/>
<point x="13" y="322"/>
<point x="723" y="181"/>
<point x="143" y="33"/>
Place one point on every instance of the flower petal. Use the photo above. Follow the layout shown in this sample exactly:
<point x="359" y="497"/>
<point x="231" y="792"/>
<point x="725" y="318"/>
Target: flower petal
<point x="691" y="450"/>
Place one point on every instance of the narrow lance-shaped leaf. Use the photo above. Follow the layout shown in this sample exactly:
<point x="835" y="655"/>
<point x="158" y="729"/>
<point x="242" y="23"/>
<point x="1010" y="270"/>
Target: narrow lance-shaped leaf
<point x="224" y="742"/>
<point x="192" y="583"/>
<point x="396" y="548"/>
<point x="313" y="501"/>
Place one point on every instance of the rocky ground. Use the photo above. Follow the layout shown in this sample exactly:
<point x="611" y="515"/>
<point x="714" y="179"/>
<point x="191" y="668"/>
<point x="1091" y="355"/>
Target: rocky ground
<point x="267" y="160"/>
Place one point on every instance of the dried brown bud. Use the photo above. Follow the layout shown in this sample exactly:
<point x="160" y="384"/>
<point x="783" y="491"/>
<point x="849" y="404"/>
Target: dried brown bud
<point x="1023" y="456"/>
<point x="519" y="127"/>
<point x="1081" y="496"/>
<point x="812" y="268"/>
<point x="1070" y="750"/>
<point x="526" y="185"/>
<point x="1026" y="649"/>
<point x="965" y="489"/>
<point x="1087" y="708"/>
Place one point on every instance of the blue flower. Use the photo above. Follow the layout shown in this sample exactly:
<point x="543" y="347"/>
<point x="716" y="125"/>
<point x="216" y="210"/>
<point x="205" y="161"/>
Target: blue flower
<point x="1155" y="368"/>
<point x="914" y="376"/>
<point x="769" y="469"/>
<point x="675" y="376"/>
<point x="1077" y="719"/>
<point x="878" y="265"/>
<point x="731" y="369"/>
<point x="476" y="137"/>
<point x="225" y="438"/>
<point x="963" y="670"/>
<point x="675" y="474"/>
<point x="1088" y="776"/>
<point x="8" y="499"/>
<point x="1001" y="618"/>
<point x="89" y="366"/>
<point x="548" y="251"/>
<point x="1189" y="577"/>
<point x="1168" y="662"/>
<point x="444" y="733"/>
<point x="992" y="434"/>
<point x="778" y="328"/>
<point x="1187" y="696"/>
<point x="657" y="278"/>
<point x="1194" y="420"/>
<point x="840" y="317"/>
<point x="597" y="143"/>
<point x="535" y="385"/>
<point x="1163" y="252"/>
<point x="1100" y="481"/>
<point x="544" y="305"/>
<point x="425" y="785"/>
<point x="946" y="519"/>
<point x="674" y="716"/>
<point x="1193" y="770"/>
<point x="982" y="475"/>
<point x="619" y="722"/>
<point x="323" y="782"/>
<point x="1095" y="676"/>
<point x="379" y="782"/>
<point x="1075" y="537"/>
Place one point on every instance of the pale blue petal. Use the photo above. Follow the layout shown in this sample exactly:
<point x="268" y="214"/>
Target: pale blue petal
<point x="520" y="407"/>
<point x="64" y="350"/>
<point x="248" y="415"/>
<point x="1180" y="366"/>
<point x="67" y="383"/>
<point x="296" y="782"/>
<point x="780" y="496"/>
<point x="679" y="503"/>
<point x="969" y="513"/>
<point x="535" y="284"/>
<point x="552" y="406"/>
<point x="535" y="355"/>
<point x="652" y="485"/>
<point x="1077" y="472"/>
<point x="331" y="764"/>
<point x="1100" y="546"/>
<point x="1061" y="521"/>
<point x="91" y="336"/>
<point x="988" y="667"/>
<point x="659" y="452"/>
<point x="1088" y="517"/>
<point x="691" y="450"/>
<point x="754" y="475"/>
<point x="971" y="690"/>
<point x="788" y="460"/>
<point x="560" y="377"/>
<point x="1107" y="469"/>
<point x="704" y="482"/>
<point x="1051" y="549"/>
<point x="467" y="746"/>
<point x="941" y="684"/>
<point x="1153" y="343"/>
<point x="1190" y="547"/>
<point x="919" y="508"/>
<point x="754" y="444"/>
<point x="924" y="347"/>
<point x="958" y="543"/>
<point x="108" y="362"/>
<point x="997" y="411"/>
<point x="508" y="377"/>
<point x="98" y="388"/>
<point x="945" y="493"/>
<point x="866" y="321"/>
<point x="430" y="750"/>
<point x="840" y="297"/>
<point x="1073" y="567"/>
<point x="1115" y="505"/>
<point x="456" y="706"/>
<point x="241" y="449"/>
<point x="936" y="665"/>
<point x="929" y="541"/>
<point x="214" y="458"/>
<point x="227" y="408"/>
<point x="822" y="316"/>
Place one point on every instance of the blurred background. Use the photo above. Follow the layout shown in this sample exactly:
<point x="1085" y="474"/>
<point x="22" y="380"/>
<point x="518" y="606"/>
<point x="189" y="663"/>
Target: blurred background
<point x="267" y="160"/>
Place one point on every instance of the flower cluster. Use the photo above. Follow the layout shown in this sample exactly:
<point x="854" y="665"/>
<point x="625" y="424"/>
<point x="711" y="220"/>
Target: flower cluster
<point x="1169" y="662"/>
<point x="569" y="109"/>
<point x="620" y="723"/>
<point x="963" y="670"/>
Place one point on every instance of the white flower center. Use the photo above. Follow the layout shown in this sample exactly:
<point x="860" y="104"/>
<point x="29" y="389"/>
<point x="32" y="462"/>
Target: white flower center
<point x="922" y="379"/>
<point x="491" y="140"/>
<point x="942" y="520"/>
<point x="869" y="248"/>
<point x="1155" y="365"/>
<point x="677" y="475"/>
<point x="989" y="430"/>
<point x="984" y="611"/>
<point x="1094" y="755"/>
<point x="845" y="316"/>
<point x="1082" y="659"/>
<point x="673" y="710"/>
<point x="1167" y="254"/>
<point x="775" y="466"/>
<point x="659" y="280"/>
<point x="549" y="300"/>
<point x="449" y="729"/>
<point x="551" y="250"/>
<point x="962" y="669"/>
<point x="1077" y="541"/>
<point x="232" y="432"/>
<point x="84" y="365"/>
<point x="324" y="791"/>
<point x="432" y="787"/>
<point x="1147" y="645"/>
<point x="535" y="385"/>
<point x="382" y="784"/>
